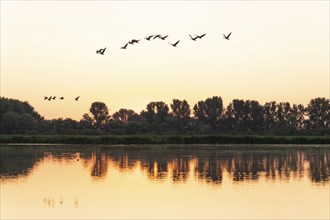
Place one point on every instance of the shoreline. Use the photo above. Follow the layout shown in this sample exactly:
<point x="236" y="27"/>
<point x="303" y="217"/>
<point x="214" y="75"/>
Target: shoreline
<point x="173" y="146"/>
<point x="123" y="140"/>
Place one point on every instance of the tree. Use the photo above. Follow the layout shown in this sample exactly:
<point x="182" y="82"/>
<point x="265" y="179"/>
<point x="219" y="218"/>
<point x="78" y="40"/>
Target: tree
<point x="180" y="109"/>
<point x="318" y="113"/>
<point x="210" y="111"/>
<point x="214" y="109"/>
<point x="123" y="115"/>
<point x="229" y="119"/>
<point x="180" y="115"/>
<point x="18" y="107"/>
<point x="237" y="115"/>
<point x="27" y="123"/>
<point x="256" y="116"/>
<point x="99" y="115"/>
<point x="65" y="126"/>
<point x="284" y="119"/>
<point x="244" y="115"/>
<point x="156" y="112"/>
<point x="269" y="110"/>
<point x="298" y="117"/>
<point x="18" y="117"/>
<point x="10" y="123"/>
<point x="200" y="111"/>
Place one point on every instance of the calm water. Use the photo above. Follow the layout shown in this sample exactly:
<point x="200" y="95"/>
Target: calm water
<point x="89" y="182"/>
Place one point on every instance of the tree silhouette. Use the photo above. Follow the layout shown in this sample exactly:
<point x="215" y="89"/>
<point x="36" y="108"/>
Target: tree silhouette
<point x="210" y="111"/>
<point x="123" y="115"/>
<point x="99" y="115"/>
<point x="284" y="119"/>
<point x="180" y="109"/>
<point x="240" y="117"/>
<point x="156" y="112"/>
<point x="200" y="111"/>
<point x="298" y="117"/>
<point x="269" y="115"/>
<point x="318" y="113"/>
<point x="237" y="115"/>
<point x="256" y="116"/>
<point x="18" y="117"/>
<point x="214" y="109"/>
<point x="246" y="116"/>
<point x="180" y="115"/>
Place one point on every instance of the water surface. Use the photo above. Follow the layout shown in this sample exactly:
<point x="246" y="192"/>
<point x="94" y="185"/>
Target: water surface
<point x="200" y="182"/>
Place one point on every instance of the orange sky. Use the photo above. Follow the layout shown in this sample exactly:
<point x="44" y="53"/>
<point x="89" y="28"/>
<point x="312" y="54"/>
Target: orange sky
<point x="278" y="51"/>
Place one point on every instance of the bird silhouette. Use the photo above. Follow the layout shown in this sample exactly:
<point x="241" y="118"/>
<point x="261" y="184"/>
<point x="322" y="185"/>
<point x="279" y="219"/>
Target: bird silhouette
<point x="124" y="47"/>
<point x="76" y="98"/>
<point x="101" y="51"/>
<point x="50" y="98"/>
<point x="193" y="38"/>
<point x="133" y="41"/>
<point x="155" y="36"/>
<point x="163" y="38"/>
<point x="149" y="37"/>
<point x="54" y="97"/>
<point x="226" y="37"/>
<point x="200" y="36"/>
<point x="176" y="43"/>
<point x="45" y="97"/>
<point x="62" y="98"/>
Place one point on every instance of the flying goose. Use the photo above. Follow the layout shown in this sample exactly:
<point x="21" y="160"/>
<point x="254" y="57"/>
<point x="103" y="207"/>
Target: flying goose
<point x="76" y="98"/>
<point x="176" y="43"/>
<point x="200" y="36"/>
<point x="155" y="36"/>
<point x="101" y="51"/>
<point x="193" y="38"/>
<point x="133" y="41"/>
<point x="62" y="98"/>
<point x="149" y="37"/>
<point x="163" y="38"/>
<point x="124" y="47"/>
<point x="226" y="37"/>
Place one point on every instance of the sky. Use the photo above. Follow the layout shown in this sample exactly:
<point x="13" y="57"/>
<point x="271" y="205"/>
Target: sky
<point x="278" y="51"/>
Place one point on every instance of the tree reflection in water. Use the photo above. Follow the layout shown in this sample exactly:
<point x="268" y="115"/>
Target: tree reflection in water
<point x="205" y="165"/>
<point x="100" y="164"/>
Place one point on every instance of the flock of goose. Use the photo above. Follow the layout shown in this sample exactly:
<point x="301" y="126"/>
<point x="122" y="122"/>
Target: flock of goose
<point x="134" y="41"/>
<point x="153" y="37"/>
<point x="50" y="98"/>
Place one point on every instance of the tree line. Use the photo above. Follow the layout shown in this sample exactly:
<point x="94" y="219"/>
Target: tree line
<point x="207" y="116"/>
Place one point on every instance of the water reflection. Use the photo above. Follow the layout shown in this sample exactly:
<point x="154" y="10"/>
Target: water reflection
<point x="52" y="202"/>
<point x="205" y="165"/>
<point x="100" y="164"/>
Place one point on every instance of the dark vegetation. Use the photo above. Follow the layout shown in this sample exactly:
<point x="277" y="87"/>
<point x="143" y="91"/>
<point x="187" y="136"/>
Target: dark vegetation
<point x="163" y="139"/>
<point x="208" y="121"/>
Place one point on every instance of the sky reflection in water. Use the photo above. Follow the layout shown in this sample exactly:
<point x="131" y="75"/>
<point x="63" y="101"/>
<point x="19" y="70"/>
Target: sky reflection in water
<point x="101" y="182"/>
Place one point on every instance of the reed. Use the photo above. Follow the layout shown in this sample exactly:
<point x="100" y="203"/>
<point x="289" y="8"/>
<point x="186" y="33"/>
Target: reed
<point x="163" y="139"/>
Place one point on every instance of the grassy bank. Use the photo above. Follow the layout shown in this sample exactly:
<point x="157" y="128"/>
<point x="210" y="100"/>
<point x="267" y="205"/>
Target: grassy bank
<point x="163" y="139"/>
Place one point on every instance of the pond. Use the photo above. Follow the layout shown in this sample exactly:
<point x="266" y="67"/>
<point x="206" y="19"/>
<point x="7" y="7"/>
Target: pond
<point x="165" y="182"/>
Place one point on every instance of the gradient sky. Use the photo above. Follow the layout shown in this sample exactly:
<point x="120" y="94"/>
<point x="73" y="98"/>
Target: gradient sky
<point x="278" y="51"/>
